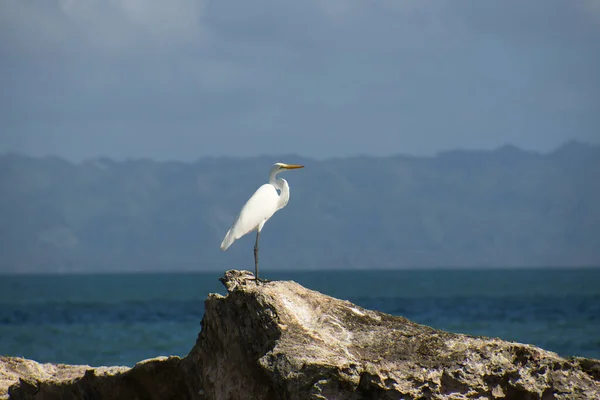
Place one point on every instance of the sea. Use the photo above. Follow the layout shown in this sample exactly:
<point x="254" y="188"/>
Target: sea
<point x="120" y="319"/>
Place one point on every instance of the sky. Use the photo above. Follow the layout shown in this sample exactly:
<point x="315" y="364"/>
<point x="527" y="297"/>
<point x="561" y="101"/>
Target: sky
<point x="183" y="79"/>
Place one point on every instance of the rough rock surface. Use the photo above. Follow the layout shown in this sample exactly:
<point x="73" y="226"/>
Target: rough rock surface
<point x="157" y="378"/>
<point x="14" y="368"/>
<point x="282" y="341"/>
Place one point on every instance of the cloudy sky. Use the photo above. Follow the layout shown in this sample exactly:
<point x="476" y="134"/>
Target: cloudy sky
<point x="181" y="79"/>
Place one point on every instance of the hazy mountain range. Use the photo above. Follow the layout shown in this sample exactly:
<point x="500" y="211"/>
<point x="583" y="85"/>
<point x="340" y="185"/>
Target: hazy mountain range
<point x="506" y="207"/>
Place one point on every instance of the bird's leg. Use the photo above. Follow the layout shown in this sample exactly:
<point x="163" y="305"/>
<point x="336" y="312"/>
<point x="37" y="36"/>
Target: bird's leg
<point x="256" y="256"/>
<point x="256" y="279"/>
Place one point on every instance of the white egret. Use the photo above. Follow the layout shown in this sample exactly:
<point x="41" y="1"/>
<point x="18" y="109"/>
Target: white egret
<point x="259" y="208"/>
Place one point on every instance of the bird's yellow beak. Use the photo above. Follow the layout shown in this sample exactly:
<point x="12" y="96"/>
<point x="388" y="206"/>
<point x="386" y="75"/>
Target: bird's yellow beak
<point x="292" y="166"/>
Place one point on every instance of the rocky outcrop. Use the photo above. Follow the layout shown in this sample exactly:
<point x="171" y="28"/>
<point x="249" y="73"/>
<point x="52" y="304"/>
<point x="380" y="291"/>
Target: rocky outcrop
<point x="282" y="341"/>
<point x="157" y="378"/>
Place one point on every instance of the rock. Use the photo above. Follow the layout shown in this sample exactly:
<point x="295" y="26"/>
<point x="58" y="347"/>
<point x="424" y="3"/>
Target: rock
<point x="14" y="368"/>
<point x="157" y="378"/>
<point x="282" y="341"/>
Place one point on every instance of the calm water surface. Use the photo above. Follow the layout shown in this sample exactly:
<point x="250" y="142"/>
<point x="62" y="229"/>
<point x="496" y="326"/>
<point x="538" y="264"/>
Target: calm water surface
<point x="121" y="319"/>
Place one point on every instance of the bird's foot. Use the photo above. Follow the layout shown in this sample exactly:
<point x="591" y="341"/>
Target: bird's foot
<point x="258" y="280"/>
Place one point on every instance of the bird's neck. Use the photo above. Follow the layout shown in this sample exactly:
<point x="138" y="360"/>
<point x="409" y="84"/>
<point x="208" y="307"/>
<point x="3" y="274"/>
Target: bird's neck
<point x="284" y="189"/>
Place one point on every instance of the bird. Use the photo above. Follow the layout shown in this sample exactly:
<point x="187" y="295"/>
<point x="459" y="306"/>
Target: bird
<point x="266" y="201"/>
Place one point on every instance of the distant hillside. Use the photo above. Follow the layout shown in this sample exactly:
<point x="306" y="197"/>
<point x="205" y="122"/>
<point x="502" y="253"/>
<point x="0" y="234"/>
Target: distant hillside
<point x="505" y="207"/>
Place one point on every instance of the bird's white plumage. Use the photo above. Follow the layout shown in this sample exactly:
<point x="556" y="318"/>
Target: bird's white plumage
<point x="257" y="210"/>
<point x="269" y="198"/>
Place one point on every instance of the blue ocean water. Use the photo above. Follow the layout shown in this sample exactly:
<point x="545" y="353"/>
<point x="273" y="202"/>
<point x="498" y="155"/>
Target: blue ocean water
<point x="121" y="319"/>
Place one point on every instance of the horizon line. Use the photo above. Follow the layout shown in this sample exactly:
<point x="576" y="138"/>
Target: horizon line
<point x="504" y="147"/>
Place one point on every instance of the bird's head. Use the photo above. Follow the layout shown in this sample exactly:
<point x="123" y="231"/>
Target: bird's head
<point x="281" y="167"/>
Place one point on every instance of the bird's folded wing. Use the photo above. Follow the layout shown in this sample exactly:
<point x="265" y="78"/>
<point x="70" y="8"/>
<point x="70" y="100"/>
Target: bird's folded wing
<point x="260" y="207"/>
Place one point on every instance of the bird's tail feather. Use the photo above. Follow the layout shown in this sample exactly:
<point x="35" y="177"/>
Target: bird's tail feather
<point x="228" y="240"/>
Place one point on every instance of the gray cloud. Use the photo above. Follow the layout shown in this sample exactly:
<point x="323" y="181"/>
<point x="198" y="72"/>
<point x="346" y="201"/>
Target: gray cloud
<point x="185" y="78"/>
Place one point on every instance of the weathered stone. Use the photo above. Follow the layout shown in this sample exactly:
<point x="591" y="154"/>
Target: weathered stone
<point x="282" y="341"/>
<point x="31" y="372"/>
<point x="157" y="378"/>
